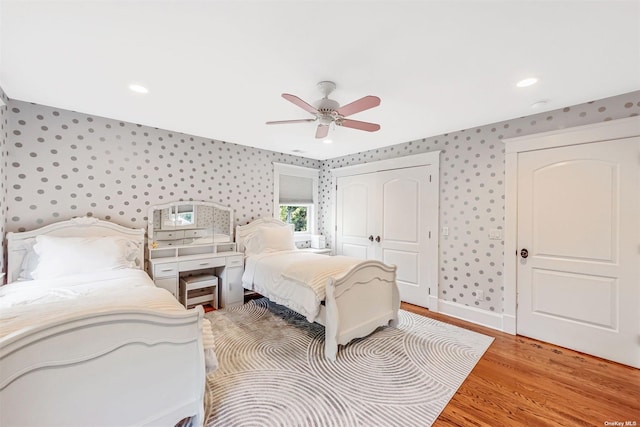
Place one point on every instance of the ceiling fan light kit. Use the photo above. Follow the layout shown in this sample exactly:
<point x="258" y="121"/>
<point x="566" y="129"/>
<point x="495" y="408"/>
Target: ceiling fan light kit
<point x="328" y="111"/>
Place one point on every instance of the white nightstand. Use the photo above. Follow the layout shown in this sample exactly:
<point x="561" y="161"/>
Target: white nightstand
<point x="317" y="251"/>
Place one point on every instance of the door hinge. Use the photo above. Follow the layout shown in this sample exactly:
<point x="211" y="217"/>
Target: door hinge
<point x="429" y="291"/>
<point x="429" y="234"/>
<point x="429" y="178"/>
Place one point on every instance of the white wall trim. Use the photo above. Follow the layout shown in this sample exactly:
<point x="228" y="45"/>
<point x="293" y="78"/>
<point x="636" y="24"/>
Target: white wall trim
<point x="603" y="131"/>
<point x="471" y="314"/>
<point x="598" y="132"/>
<point x="423" y="159"/>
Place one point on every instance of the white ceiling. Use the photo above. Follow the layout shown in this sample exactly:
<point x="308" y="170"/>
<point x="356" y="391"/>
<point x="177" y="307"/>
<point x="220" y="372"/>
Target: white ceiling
<point x="216" y="69"/>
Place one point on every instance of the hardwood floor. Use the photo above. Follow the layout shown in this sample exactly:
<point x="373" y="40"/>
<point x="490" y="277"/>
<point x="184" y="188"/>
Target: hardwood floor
<point x="524" y="382"/>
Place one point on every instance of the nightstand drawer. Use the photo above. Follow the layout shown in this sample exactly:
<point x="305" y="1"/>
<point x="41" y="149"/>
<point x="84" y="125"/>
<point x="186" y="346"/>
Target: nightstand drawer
<point x="165" y="270"/>
<point x="198" y="264"/>
<point x="235" y="261"/>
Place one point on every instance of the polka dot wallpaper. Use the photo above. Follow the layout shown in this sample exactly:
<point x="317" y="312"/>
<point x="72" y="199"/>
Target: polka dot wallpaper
<point x="64" y="164"/>
<point x="58" y="164"/>
<point x="4" y="129"/>
<point x="472" y="192"/>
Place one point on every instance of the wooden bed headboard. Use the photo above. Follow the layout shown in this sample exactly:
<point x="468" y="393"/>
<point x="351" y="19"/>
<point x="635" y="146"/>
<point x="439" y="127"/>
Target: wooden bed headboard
<point x="242" y="231"/>
<point x="19" y="243"/>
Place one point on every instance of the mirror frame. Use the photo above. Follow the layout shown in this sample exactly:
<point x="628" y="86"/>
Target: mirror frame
<point x="195" y="203"/>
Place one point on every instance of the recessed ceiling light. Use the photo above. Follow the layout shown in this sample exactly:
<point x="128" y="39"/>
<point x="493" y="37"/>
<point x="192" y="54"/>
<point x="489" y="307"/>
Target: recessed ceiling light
<point x="540" y="104"/>
<point x="297" y="151"/>
<point x="327" y="141"/>
<point x="527" y="82"/>
<point x="138" y="88"/>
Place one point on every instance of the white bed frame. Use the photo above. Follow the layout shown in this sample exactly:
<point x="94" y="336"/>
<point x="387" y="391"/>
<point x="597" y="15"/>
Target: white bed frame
<point x="356" y="304"/>
<point x="117" y="368"/>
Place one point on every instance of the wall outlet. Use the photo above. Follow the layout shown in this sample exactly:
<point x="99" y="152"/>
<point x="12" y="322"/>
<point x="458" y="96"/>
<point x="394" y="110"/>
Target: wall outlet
<point x="479" y="295"/>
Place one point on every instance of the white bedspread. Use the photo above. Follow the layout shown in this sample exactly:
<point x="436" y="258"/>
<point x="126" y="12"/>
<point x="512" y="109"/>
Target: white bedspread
<point x="36" y="302"/>
<point x="295" y="279"/>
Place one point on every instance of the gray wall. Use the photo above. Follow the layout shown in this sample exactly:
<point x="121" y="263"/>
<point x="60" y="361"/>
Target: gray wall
<point x="4" y="131"/>
<point x="472" y="192"/>
<point x="64" y="164"/>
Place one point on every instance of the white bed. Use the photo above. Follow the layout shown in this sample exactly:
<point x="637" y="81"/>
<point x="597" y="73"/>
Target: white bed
<point x="93" y="348"/>
<point x="350" y="297"/>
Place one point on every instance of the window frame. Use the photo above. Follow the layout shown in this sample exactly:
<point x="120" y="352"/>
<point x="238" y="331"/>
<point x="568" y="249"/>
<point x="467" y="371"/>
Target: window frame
<point x="312" y="213"/>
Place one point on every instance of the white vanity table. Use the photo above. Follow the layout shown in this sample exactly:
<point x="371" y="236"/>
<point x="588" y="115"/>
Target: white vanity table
<point x="189" y="238"/>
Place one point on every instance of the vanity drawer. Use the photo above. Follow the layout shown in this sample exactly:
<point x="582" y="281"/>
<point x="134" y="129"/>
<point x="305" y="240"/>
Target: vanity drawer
<point x="164" y="243"/>
<point x="235" y="261"/>
<point x="165" y="270"/>
<point x="195" y="233"/>
<point x="168" y="235"/>
<point x="198" y="264"/>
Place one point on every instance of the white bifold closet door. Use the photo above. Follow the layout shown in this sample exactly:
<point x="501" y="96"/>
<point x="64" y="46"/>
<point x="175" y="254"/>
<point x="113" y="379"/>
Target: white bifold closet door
<point x="380" y="216"/>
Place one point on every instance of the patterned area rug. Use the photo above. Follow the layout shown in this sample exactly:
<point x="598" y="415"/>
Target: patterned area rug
<point x="273" y="371"/>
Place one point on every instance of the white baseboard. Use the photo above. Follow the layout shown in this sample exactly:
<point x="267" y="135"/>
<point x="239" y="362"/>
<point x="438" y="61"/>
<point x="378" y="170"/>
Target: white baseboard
<point x="474" y="315"/>
<point x="509" y="324"/>
<point x="433" y="303"/>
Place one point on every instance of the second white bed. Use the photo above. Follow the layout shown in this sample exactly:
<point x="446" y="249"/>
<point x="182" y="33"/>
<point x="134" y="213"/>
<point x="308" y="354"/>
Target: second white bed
<point x="294" y="278"/>
<point x="350" y="297"/>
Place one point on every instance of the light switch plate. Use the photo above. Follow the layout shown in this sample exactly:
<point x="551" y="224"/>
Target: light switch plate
<point x="495" y="234"/>
<point x="445" y="231"/>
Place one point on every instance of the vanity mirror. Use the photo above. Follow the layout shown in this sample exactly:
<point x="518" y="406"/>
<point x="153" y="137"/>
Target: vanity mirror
<point x="188" y="223"/>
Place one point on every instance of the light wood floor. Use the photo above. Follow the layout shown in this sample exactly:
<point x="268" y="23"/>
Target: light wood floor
<point x="524" y="382"/>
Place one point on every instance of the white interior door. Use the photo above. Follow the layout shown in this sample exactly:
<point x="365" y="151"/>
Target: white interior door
<point x="356" y="216"/>
<point x="579" y="220"/>
<point x="403" y="199"/>
<point x="382" y="216"/>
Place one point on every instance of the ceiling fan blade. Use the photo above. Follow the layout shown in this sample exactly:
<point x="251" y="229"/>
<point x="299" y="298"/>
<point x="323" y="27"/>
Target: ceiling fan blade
<point x="356" y="124"/>
<point x="300" y="103"/>
<point x="359" y="105"/>
<point x="322" y="131"/>
<point x="280" y="122"/>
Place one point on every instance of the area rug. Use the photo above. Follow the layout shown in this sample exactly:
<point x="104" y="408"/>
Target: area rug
<point x="273" y="371"/>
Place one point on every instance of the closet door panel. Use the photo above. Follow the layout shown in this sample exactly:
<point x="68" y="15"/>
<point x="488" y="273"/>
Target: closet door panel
<point x="403" y="242"/>
<point x="400" y="212"/>
<point x="355" y="216"/>
<point x="407" y="263"/>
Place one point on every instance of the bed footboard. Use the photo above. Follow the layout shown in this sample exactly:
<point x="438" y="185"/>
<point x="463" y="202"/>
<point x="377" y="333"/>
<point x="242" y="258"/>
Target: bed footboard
<point x="113" y="368"/>
<point x="363" y="299"/>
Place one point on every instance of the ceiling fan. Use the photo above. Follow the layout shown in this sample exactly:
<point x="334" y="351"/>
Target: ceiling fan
<point x="327" y="111"/>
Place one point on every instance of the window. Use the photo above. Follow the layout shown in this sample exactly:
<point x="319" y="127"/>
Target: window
<point x="296" y="198"/>
<point x="298" y="215"/>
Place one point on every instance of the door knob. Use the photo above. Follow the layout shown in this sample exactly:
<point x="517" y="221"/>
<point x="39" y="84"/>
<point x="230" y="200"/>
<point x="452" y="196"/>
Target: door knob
<point x="524" y="253"/>
<point x="378" y="239"/>
<point x="371" y="238"/>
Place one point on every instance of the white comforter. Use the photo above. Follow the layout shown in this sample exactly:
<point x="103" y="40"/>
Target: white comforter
<point x="295" y="279"/>
<point x="36" y="302"/>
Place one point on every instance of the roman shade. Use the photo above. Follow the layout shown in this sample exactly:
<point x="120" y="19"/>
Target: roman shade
<point x="295" y="190"/>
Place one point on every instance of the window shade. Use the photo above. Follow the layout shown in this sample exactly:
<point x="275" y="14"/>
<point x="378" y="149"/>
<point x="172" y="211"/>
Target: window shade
<point x="295" y="190"/>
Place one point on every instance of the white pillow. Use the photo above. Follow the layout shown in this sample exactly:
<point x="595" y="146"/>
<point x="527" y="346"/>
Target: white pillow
<point x="275" y="239"/>
<point x="269" y="239"/>
<point x="252" y="245"/>
<point x="29" y="262"/>
<point x="62" y="256"/>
